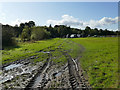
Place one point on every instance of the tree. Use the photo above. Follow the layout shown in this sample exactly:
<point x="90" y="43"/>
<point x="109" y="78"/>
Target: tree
<point x="62" y="30"/>
<point x="96" y="31"/>
<point x="26" y="33"/>
<point x="52" y="31"/>
<point x="50" y="26"/>
<point x="39" y="33"/>
<point x="22" y="25"/>
<point x="17" y="30"/>
<point x="31" y="23"/>
<point x="100" y="32"/>
<point x="87" y="31"/>
<point x="7" y="36"/>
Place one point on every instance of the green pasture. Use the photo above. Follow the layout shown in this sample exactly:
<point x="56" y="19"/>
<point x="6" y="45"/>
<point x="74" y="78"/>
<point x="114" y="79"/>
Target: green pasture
<point x="100" y="60"/>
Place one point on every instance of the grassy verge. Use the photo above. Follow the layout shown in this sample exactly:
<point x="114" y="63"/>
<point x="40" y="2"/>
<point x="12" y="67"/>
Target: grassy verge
<point x="100" y="61"/>
<point x="25" y="50"/>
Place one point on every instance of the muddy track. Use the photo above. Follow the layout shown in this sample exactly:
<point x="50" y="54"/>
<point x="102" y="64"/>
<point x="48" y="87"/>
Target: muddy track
<point x="81" y="76"/>
<point x="72" y="75"/>
<point x="76" y="77"/>
<point x="40" y="70"/>
<point x="71" y="67"/>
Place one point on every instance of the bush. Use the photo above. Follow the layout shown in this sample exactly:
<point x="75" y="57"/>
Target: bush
<point x="39" y="33"/>
<point x="26" y="33"/>
<point x="7" y="37"/>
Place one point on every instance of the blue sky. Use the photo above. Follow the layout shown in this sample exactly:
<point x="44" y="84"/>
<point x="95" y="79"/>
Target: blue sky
<point x="74" y="14"/>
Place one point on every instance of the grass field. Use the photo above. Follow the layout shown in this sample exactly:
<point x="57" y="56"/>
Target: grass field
<point x="99" y="60"/>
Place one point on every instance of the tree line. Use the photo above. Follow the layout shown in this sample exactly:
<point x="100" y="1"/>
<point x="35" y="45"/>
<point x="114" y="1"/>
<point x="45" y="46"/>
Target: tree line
<point x="28" y="31"/>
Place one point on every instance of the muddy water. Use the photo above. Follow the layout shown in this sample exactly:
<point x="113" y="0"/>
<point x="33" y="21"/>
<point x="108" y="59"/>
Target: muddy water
<point x="58" y="74"/>
<point x="8" y="77"/>
<point x="13" y="70"/>
<point x="12" y="66"/>
<point x="45" y="52"/>
<point x="38" y="80"/>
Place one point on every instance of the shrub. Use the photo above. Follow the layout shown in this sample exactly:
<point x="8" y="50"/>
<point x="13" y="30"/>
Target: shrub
<point x="39" y="33"/>
<point x="7" y="36"/>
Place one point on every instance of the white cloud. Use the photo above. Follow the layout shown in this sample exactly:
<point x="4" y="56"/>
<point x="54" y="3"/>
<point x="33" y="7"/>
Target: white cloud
<point x="105" y="21"/>
<point x="66" y="20"/>
<point x="74" y="22"/>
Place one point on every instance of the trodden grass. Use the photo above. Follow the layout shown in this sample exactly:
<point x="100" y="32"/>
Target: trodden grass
<point x="100" y="61"/>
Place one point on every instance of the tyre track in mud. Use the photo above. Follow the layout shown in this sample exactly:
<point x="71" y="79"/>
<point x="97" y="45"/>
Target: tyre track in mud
<point x="72" y="79"/>
<point x="76" y="79"/>
<point x="41" y="70"/>
<point x="81" y="75"/>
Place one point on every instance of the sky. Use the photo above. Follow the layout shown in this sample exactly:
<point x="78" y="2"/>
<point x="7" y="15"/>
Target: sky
<point x="75" y="14"/>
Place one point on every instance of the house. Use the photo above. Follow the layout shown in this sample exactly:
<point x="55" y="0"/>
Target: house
<point x="72" y="35"/>
<point x="78" y="35"/>
<point x="67" y="36"/>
